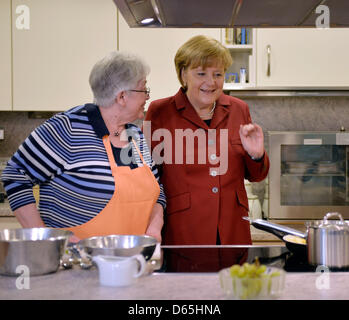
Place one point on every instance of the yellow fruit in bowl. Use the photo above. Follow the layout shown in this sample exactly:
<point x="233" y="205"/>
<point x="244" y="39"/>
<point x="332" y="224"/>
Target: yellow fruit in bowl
<point x="252" y="281"/>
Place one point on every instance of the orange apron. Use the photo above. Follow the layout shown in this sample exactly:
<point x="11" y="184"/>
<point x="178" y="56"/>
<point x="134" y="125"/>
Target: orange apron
<point x="129" y="209"/>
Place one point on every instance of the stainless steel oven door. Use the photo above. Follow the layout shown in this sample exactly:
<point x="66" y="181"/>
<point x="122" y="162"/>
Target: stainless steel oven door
<point x="308" y="175"/>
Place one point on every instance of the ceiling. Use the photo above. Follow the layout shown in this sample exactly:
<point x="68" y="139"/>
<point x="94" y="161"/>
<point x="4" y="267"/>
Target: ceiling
<point x="235" y="13"/>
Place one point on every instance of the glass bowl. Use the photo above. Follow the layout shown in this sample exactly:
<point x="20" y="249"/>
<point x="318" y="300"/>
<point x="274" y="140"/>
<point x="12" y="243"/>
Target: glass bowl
<point x="269" y="285"/>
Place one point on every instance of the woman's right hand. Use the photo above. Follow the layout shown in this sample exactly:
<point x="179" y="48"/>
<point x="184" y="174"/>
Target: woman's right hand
<point x="29" y="217"/>
<point x="252" y="139"/>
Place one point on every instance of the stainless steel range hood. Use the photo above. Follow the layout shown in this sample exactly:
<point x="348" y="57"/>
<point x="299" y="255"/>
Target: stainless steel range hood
<point x="231" y="13"/>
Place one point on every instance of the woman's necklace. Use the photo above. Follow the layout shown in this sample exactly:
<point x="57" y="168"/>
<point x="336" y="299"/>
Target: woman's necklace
<point x="210" y="113"/>
<point x="118" y="132"/>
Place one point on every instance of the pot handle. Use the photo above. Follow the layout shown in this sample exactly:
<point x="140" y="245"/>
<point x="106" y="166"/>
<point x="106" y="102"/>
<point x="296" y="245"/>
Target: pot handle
<point x="278" y="230"/>
<point x="333" y="214"/>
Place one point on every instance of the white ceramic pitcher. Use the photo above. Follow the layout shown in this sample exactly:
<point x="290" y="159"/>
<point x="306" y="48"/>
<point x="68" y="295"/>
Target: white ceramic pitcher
<point x="119" y="271"/>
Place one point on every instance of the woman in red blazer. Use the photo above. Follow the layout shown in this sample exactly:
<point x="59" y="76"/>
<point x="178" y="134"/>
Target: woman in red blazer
<point x="206" y="145"/>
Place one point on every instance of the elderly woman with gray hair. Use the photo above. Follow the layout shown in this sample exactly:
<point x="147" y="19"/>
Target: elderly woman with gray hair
<point x="93" y="166"/>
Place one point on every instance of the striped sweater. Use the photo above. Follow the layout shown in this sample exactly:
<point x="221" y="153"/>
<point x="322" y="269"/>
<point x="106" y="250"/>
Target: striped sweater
<point x="67" y="158"/>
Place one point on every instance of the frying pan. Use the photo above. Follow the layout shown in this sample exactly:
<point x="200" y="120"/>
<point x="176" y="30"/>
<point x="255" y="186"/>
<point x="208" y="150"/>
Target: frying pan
<point x="295" y="246"/>
<point x="286" y="234"/>
<point x="327" y="241"/>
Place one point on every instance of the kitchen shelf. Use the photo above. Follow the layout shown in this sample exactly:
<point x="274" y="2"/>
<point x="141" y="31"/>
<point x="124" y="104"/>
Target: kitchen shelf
<point x="244" y="56"/>
<point x="240" y="47"/>
<point x="236" y="86"/>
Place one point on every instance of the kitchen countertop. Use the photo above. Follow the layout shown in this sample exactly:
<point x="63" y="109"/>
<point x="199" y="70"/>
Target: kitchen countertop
<point x="260" y="235"/>
<point x="84" y="285"/>
<point x="5" y="210"/>
<point x="78" y="284"/>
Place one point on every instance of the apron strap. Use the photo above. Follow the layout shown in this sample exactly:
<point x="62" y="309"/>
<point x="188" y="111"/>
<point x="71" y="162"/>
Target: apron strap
<point x="139" y="153"/>
<point x="109" y="150"/>
<point x="111" y="159"/>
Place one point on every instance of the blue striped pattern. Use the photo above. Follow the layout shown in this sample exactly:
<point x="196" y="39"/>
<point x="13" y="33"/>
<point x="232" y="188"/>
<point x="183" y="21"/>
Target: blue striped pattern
<point x="67" y="158"/>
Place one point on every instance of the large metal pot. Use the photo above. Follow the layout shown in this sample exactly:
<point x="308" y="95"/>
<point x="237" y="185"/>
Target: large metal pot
<point x="37" y="249"/>
<point x="327" y="241"/>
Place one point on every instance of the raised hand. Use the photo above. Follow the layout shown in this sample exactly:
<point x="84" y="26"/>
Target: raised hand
<point x="252" y="139"/>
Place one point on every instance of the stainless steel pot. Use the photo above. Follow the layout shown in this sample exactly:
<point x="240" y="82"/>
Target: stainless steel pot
<point x="327" y="241"/>
<point x="38" y="249"/>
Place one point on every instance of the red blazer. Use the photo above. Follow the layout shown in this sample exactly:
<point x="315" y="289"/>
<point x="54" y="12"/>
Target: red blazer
<point x="199" y="200"/>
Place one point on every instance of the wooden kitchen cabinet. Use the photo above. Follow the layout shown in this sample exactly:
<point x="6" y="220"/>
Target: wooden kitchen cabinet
<point x="303" y="57"/>
<point x="53" y="57"/>
<point x="5" y="55"/>
<point x="158" y="47"/>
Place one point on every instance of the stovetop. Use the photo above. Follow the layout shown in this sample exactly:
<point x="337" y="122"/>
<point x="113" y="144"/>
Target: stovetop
<point x="215" y="258"/>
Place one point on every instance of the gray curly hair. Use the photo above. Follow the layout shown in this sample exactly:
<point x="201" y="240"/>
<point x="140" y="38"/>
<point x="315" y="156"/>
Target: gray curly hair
<point x="118" y="71"/>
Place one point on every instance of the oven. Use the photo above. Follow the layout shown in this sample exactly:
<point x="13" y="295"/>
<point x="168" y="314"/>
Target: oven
<point x="308" y="175"/>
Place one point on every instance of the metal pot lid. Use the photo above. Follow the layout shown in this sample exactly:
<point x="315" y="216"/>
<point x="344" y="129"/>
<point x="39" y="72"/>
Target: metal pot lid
<point x="326" y="223"/>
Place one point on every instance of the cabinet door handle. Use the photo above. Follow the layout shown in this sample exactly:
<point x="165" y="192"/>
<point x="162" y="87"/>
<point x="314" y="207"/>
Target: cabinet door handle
<point x="268" y="54"/>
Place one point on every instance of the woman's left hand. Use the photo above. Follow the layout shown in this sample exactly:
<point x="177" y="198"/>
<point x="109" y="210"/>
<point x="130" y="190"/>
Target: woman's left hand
<point x="156" y="222"/>
<point x="252" y="139"/>
<point x="74" y="239"/>
<point x="153" y="232"/>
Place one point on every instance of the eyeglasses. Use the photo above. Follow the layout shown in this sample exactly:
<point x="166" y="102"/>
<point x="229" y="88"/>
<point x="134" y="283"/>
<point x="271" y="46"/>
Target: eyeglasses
<point x="146" y="91"/>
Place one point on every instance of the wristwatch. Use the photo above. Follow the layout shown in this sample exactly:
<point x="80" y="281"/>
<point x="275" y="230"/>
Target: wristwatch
<point x="257" y="159"/>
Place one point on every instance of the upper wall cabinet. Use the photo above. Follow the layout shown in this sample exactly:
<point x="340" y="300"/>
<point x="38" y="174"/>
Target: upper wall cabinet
<point x="5" y="55"/>
<point x="158" y="48"/>
<point x="304" y="58"/>
<point x="55" y="45"/>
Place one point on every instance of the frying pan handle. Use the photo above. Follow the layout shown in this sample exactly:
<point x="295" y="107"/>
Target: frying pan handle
<point x="278" y="230"/>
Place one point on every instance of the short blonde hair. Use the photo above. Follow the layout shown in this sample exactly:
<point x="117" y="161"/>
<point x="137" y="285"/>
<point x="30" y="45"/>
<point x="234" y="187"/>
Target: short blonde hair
<point x="201" y="51"/>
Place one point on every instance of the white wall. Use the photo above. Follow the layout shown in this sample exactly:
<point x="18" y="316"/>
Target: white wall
<point x="158" y="47"/>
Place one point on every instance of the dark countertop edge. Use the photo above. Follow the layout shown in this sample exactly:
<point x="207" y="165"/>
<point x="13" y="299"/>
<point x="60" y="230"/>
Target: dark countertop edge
<point x="220" y="246"/>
